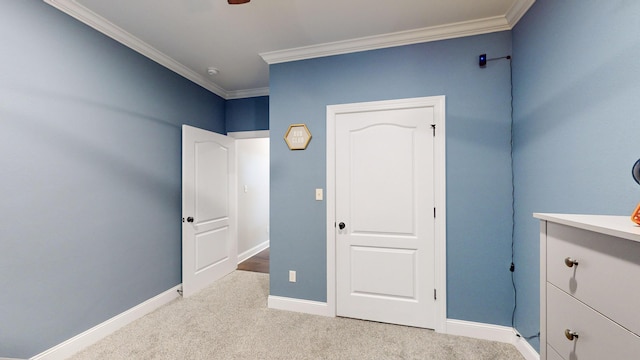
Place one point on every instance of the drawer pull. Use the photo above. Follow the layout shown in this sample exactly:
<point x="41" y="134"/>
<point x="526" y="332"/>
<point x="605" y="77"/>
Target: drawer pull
<point x="571" y="335"/>
<point x="570" y="262"/>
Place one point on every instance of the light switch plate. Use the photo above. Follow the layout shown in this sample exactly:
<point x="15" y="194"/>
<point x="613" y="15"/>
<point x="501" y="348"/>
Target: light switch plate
<point x="319" y="194"/>
<point x="292" y="276"/>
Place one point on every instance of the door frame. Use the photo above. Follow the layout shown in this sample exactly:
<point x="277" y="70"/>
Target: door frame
<point x="440" y="251"/>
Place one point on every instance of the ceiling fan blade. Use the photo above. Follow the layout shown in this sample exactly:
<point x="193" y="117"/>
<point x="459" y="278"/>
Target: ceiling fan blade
<point x="237" y="2"/>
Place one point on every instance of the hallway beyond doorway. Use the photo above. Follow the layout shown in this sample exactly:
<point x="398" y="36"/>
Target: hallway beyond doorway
<point x="257" y="263"/>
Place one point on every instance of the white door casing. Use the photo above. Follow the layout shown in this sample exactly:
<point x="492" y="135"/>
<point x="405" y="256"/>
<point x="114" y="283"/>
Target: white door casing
<point x="385" y="176"/>
<point x="209" y="225"/>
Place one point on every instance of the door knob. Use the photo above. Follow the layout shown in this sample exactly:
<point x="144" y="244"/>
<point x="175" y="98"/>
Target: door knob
<point x="341" y="225"/>
<point x="190" y="219"/>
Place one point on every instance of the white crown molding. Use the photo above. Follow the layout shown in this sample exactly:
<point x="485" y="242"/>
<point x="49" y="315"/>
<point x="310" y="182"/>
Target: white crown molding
<point x="517" y="11"/>
<point x="442" y="32"/>
<point x="81" y="13"/>
<point x="435" y="33"/>
<point x="241" y="94"/>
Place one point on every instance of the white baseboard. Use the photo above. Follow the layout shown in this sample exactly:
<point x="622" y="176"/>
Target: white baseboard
<point x="476" y="330"/>
<point x="526" y="349"/>
<point x="503" y="334"/>
<point x="253" y="251"/>
<point x="491" y="332"/>
<point x="299" y="305"/>
<point x="81" y="341"/>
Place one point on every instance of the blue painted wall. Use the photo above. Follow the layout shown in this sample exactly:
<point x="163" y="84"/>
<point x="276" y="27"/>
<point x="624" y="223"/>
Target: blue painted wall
<point x="478" y="162"/>
<point x="577" y="85"/>
<point x="90" y="145"/>
<point x="248" y="114"/>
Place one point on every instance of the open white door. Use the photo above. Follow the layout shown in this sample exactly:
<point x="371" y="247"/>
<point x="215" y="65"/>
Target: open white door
<point x="209" y="228"/>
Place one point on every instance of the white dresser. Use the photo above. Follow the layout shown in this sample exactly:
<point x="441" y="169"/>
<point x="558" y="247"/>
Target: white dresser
<point x="589" y="287"/>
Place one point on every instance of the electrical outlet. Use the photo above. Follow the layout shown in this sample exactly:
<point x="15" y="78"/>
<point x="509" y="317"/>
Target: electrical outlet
<point x="292" y="276"/>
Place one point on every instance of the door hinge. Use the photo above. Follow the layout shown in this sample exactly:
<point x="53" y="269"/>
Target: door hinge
<point x="433" y="126"/>
<point x="434" y="212"/>
<point x="435" y="297"/>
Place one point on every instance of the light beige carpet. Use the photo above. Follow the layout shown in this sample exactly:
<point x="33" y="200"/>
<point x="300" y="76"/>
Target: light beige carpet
<point x="230" y="320"/>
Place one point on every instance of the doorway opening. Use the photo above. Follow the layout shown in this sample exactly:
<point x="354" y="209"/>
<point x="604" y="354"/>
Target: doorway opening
<point x="252" y="148"/>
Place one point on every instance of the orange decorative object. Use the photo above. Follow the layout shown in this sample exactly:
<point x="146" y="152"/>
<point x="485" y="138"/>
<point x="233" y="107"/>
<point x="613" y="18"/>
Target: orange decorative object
<point x="635" y="217"/>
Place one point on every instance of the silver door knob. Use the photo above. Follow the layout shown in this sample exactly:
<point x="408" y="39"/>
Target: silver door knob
<point x="570" y="262"/>
<point x="571" y="335"/>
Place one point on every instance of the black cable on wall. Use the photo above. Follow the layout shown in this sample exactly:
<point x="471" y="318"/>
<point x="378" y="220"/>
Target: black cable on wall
<point x="482" y="62"/>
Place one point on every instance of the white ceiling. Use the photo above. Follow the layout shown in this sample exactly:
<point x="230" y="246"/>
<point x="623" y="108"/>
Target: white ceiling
<point x="189" y="36"/>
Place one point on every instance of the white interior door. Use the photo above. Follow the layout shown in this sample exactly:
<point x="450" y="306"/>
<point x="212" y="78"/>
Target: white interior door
<point x="385" y="216"/>
<point x="209" y="229"/>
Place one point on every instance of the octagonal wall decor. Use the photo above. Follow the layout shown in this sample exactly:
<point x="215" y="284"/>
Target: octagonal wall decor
<point x="297" y="137"/>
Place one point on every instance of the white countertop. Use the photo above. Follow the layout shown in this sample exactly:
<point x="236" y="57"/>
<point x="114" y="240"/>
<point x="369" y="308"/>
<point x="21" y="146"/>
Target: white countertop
<point x="618" y="226"/>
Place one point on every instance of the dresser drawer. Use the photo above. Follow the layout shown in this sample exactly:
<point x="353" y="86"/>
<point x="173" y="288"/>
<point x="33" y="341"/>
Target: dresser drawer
<point x="598" y="337"/>
<point x="607" y="277"/>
